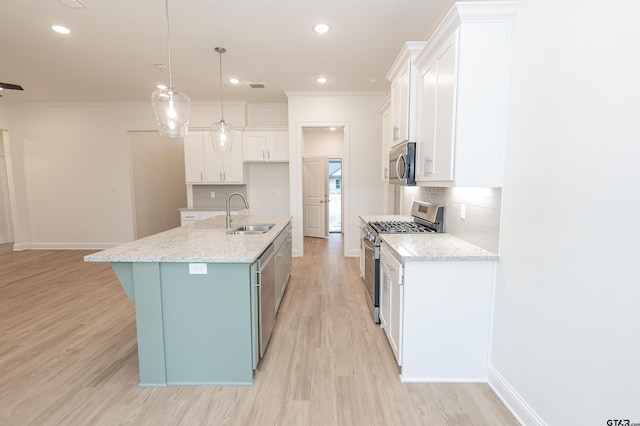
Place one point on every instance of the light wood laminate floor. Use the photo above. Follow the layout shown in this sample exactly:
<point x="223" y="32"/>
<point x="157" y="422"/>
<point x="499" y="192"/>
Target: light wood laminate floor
<point x="68" y="356"/>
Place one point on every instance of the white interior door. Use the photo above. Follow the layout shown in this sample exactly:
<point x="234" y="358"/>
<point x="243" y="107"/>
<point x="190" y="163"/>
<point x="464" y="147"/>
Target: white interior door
<point x="315" y="193"/>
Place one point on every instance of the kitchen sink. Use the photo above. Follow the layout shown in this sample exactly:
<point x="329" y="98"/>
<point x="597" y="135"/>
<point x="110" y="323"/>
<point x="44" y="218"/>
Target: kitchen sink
<point x="252" y="228"/>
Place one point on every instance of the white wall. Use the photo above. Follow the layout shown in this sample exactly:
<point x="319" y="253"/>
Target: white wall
<point x="323" y="144"/>
<point x="363" y="191"/>
<point x="71" y="167"/>
<point x="159" y="188"/>
<point x="268" y="188"/>
<point x="567" y="318"/>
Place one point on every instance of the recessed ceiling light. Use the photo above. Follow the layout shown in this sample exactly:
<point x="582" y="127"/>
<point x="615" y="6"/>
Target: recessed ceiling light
<point x="322" y="80"/>
<point x="333" y="129"/>
<point x="234" y="80"/>
<point x="60" y="29"/>
<point x="321" y="28"/>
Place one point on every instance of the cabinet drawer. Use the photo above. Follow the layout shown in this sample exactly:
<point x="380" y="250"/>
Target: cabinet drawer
<point x="395" y="267"/>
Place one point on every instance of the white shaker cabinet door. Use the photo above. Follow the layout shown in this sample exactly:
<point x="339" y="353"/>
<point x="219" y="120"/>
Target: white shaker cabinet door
<point x="253" y="146"/>
<point x="436" y="146"/>
<point x="232" y="168"/>
<point x="278" y="146"/>
<point x="193" y="159"/>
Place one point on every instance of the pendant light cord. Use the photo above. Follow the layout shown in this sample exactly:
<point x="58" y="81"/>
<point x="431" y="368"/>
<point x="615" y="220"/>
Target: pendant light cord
<point x="166" y="3"/>
<point x="220" y="51"/>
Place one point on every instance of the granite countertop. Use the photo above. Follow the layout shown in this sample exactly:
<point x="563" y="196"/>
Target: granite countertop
<point x="203" y="241"/>
<point x="413" y="247"/>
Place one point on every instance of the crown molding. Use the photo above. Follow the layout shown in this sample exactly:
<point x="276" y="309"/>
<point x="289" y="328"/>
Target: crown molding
<point x="410" y="50"/>
<point x="295" y="93"/>
<point x="465" y="13"/>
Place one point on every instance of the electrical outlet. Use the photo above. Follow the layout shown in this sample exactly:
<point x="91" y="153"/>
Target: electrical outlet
<point x="198" y="269"/>
<point x="463" y="211"/>
<point x="213" y="194"/>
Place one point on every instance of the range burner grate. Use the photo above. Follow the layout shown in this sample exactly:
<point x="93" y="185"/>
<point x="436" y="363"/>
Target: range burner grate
<point x="399" y="227"/>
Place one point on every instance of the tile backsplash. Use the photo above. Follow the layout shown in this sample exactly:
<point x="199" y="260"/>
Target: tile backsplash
<point x="202" y="195"/>
<point x="481" y="225"/>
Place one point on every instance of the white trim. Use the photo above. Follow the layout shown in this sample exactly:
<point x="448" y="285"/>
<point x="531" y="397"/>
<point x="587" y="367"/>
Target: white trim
<point x="465" y="12"/>
<point x="114" y="104"/>
<point x="441" y="380"/>
<point x="407" y="54"/>
<point x="6" y="227"/>
<point x="16" y="221"/>
<point x="515" y="403"/>
<point x="302" y="93"/>
<point x="295" y="178"/>
<point x="69" y="246"/>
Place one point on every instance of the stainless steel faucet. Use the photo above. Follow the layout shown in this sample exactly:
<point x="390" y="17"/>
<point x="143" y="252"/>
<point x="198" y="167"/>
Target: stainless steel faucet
<point x="229" y="206"/>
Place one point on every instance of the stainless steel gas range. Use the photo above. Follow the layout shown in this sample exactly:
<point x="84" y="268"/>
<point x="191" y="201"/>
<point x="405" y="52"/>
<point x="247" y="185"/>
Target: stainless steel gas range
<point x="427" y="217"/>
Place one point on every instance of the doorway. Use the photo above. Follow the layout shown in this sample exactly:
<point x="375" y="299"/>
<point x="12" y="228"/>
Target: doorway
<point x="335" y="195"/>
<point x="322" y="180"/>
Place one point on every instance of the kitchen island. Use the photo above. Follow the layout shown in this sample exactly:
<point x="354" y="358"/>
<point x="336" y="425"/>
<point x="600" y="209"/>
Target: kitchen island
<point x="195" y="294"/>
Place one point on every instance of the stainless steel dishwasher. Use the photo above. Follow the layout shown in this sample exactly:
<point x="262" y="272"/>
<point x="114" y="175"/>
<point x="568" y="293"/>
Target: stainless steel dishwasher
<point x="266" y="295"/>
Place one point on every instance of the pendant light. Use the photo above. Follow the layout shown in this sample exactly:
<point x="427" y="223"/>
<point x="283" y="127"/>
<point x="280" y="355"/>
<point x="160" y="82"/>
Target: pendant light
<point x="222" y="132"/>
<point x="170" y="107"/>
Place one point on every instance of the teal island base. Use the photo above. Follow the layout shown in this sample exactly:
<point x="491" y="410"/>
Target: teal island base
<point x="193" y="328"/>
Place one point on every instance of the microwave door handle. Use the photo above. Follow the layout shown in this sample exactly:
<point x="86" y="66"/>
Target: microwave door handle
<point x="401" y="157"/>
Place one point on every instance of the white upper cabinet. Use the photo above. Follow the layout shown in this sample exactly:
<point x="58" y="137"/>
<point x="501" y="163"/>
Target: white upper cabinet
<point x="404" y="83"/>
<point x="265" y="145"/>
<point x="462" y="93"/>
<point x="203" y="165"/>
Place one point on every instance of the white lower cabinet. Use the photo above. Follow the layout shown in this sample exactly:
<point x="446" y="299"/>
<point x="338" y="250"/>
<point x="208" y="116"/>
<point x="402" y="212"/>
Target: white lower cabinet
<point x="282" y="245"/>
<point x="392" y="282"/>
<point x="438" y="317"/>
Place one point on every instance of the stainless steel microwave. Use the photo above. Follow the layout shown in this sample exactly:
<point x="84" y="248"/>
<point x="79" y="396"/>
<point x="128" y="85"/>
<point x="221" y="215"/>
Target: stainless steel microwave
<point x="402" y="164"/>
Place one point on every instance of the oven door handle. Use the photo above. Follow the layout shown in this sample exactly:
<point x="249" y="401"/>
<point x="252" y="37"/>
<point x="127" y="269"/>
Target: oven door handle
<point x="368" y="244"/>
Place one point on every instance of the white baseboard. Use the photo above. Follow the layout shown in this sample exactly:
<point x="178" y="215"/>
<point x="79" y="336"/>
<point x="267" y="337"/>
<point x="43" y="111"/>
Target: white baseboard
<point x="441" y="380"/>
<point x="354" y="253"/>
<point x="521" y="410"/>
<point x="69" y="246"/>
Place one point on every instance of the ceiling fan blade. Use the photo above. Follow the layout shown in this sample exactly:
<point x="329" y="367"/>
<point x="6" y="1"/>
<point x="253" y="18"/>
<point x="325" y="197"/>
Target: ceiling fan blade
<point x="11" y="86"/>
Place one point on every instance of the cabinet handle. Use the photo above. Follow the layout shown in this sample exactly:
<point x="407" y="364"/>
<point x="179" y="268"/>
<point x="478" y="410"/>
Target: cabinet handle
<point x="396" y="130"/>
<point x="201" y="176"/>
<point x="268" y="155"/>
<point x="263" y="154"/>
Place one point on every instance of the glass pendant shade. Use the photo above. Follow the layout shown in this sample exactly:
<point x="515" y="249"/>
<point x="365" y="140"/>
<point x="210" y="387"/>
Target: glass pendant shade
<point x="171" y="109"/>
<point x="222" y="134"/>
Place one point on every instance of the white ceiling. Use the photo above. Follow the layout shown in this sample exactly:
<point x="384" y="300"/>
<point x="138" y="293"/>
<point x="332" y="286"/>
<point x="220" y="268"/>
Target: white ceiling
<point x="109" y="55"/>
